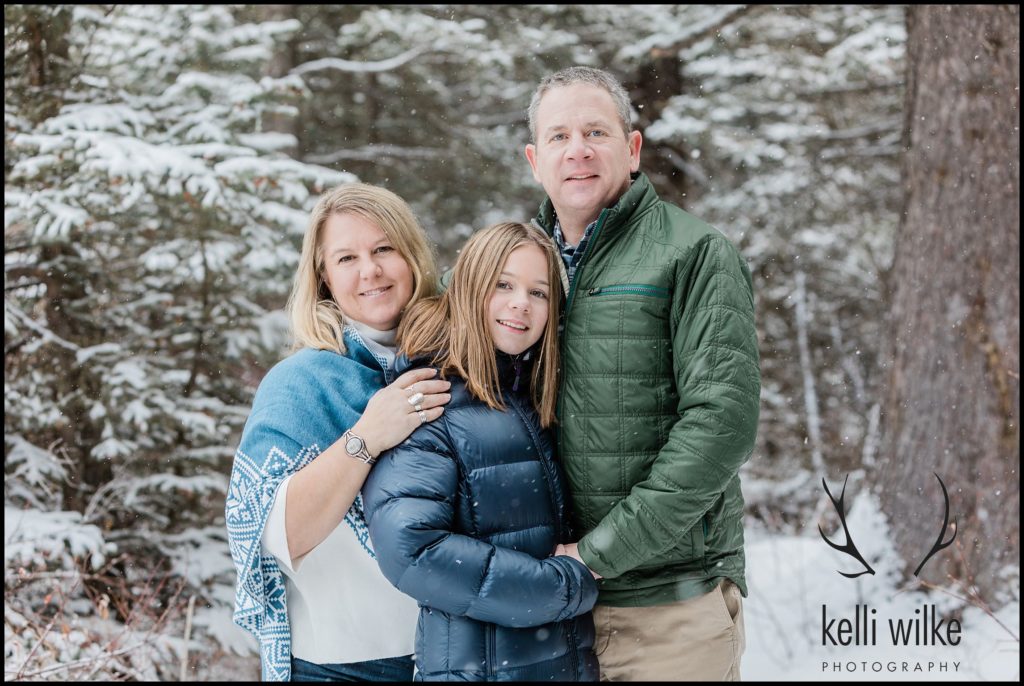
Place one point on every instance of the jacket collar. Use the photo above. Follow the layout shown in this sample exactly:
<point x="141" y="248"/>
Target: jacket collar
<point x="514" y="371"/>
<point x="404" y="363"/>
<point x="634" y="201"/>
<point x="511" y="368"/>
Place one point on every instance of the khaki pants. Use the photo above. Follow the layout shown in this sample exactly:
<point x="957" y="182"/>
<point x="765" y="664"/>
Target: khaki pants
<point x="698" y="639"/>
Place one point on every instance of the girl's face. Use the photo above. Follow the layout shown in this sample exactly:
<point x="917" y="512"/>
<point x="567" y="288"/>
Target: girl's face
<point x="518" y="308"/>
<point x="369" y="280"/>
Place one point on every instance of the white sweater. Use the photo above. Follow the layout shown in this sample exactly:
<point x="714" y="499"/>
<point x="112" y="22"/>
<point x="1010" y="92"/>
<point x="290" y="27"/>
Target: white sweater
<point x="341" y="609"/>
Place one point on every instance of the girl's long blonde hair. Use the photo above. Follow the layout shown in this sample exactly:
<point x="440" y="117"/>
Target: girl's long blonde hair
<point x="453" y="326"/>
<point x="316" y="320"/>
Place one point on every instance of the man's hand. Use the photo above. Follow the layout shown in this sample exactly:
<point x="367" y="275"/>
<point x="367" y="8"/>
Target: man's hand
<point x="571" y="550"/>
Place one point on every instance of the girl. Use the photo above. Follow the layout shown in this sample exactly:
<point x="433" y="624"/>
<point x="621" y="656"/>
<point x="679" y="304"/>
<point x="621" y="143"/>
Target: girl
<point x="464" y="515"/>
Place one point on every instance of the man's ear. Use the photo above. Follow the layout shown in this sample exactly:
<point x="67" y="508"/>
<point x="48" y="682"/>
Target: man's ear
<point x="531" y="157"/>
<point x="634" y="141"/>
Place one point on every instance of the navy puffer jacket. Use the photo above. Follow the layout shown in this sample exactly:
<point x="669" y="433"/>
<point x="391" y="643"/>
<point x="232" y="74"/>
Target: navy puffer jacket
<point x="464" y="516"/>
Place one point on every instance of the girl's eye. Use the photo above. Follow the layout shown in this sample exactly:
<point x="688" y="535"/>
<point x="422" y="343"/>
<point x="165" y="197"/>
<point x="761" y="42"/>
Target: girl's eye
<point x="539" y="294"/>
<point x="384" y="248"/>
<point x="345" y="258"/>
<point x="503" y="284"/>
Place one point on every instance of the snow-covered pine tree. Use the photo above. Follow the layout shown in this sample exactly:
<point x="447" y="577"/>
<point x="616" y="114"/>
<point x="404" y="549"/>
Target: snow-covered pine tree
<point x="151" y="230"/>
<point x="430" y="101"/>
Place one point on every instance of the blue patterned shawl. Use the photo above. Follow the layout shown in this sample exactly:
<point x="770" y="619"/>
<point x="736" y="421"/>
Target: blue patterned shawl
<point x="303" y="405"/>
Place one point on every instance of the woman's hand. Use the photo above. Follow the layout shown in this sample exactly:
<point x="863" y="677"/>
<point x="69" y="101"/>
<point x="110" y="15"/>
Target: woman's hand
<point x="321" y="493"/>
<point x="389" y="417"/>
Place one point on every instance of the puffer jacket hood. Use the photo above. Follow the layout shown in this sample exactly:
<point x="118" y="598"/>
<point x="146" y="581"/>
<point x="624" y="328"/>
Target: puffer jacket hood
<point x="464" y="516"/>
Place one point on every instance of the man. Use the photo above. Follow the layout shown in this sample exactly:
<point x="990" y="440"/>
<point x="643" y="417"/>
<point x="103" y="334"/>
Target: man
<point x="659" y="392"/>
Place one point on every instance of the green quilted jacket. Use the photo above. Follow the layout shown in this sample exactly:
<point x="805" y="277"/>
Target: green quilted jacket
<point x="659" y="400"/>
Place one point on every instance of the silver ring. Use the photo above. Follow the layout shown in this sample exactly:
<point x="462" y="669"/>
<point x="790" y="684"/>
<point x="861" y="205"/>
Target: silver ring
<point x="423" y="416"/>
<point x="415" y="398"/>
<point x="417" y="407"/>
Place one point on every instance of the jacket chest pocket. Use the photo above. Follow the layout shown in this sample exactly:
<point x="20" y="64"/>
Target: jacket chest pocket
<point x="626" y="309"/>
<point x="625" y="329"/>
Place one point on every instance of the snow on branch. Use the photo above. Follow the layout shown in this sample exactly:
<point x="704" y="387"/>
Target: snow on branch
<point x="30" y="534"/>
<point x="363" y="67"/>
<point x="657" y="46"/>
<point x="14" y="316"/>
<point x="376" y="152"/>
<point x="36" y="466"/>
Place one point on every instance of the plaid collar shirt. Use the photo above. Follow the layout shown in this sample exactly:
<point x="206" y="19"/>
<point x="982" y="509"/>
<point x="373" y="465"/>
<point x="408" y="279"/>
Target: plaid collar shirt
<point x="572" y="255"/>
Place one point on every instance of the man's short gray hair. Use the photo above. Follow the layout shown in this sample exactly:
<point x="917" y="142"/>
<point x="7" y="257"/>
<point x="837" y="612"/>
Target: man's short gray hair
<point x="588" y="75"/>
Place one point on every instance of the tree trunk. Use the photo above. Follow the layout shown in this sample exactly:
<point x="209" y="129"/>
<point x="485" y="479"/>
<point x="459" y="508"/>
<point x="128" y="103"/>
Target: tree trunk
<point x="953" y="405"/>
<point x="281" y="62"/>
<point x="667" y="165"/>
<point x="66" y="278"/>
<point x="45" y="32"/>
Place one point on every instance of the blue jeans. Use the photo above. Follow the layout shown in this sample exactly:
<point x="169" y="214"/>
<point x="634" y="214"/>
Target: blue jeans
<point x="385" y="669"/>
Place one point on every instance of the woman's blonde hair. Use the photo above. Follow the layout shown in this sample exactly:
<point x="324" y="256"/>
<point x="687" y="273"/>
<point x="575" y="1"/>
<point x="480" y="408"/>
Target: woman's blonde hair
<point x="316" y="320"/>
<point x="454" y="326"/>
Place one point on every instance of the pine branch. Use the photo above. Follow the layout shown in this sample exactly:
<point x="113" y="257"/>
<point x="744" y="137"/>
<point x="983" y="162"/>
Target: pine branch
<point x="358" y="67"/>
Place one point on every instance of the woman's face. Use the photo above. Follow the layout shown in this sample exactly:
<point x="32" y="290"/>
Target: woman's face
<point x="369" y="280"/>
<point x="518" y="308"/>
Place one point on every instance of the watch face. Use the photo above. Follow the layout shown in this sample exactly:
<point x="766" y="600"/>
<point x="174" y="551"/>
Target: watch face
<point x="354" y="445"/>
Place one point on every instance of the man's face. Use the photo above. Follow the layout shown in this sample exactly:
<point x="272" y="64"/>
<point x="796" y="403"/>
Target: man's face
<point x="582" y="157"/>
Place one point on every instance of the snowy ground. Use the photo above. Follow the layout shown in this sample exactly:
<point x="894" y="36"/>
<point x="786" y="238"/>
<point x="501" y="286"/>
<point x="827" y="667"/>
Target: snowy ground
<point x="790" y="578"/>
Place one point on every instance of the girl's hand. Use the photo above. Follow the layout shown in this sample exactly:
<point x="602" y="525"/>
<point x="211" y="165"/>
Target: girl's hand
<point x="389" y="417"/>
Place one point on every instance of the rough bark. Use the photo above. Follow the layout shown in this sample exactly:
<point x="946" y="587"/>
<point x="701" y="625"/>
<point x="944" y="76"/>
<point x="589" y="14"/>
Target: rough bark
<point x="953" y="404"/>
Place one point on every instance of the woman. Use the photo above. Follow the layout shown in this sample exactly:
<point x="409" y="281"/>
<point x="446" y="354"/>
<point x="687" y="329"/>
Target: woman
<point x="308" y="586"/>
<point x="465" y="514"/>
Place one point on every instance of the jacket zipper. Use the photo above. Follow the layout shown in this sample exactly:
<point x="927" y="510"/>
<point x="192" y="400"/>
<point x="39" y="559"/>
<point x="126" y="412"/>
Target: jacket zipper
<point x="570" y="624"/>
<point x="546" y="465"/>
<point x="704" y="551"/>
<point x="519" y="370"/>
<point x="568" y="304"/>
<point x="579" y="268"/>
<point x="490" y="651"/>
<point x="631" y="289"/>
<point x="574" y="657"/>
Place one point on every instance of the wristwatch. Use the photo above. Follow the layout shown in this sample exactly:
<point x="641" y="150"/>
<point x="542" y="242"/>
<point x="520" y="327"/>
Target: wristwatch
<point x="356" y="447"/>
